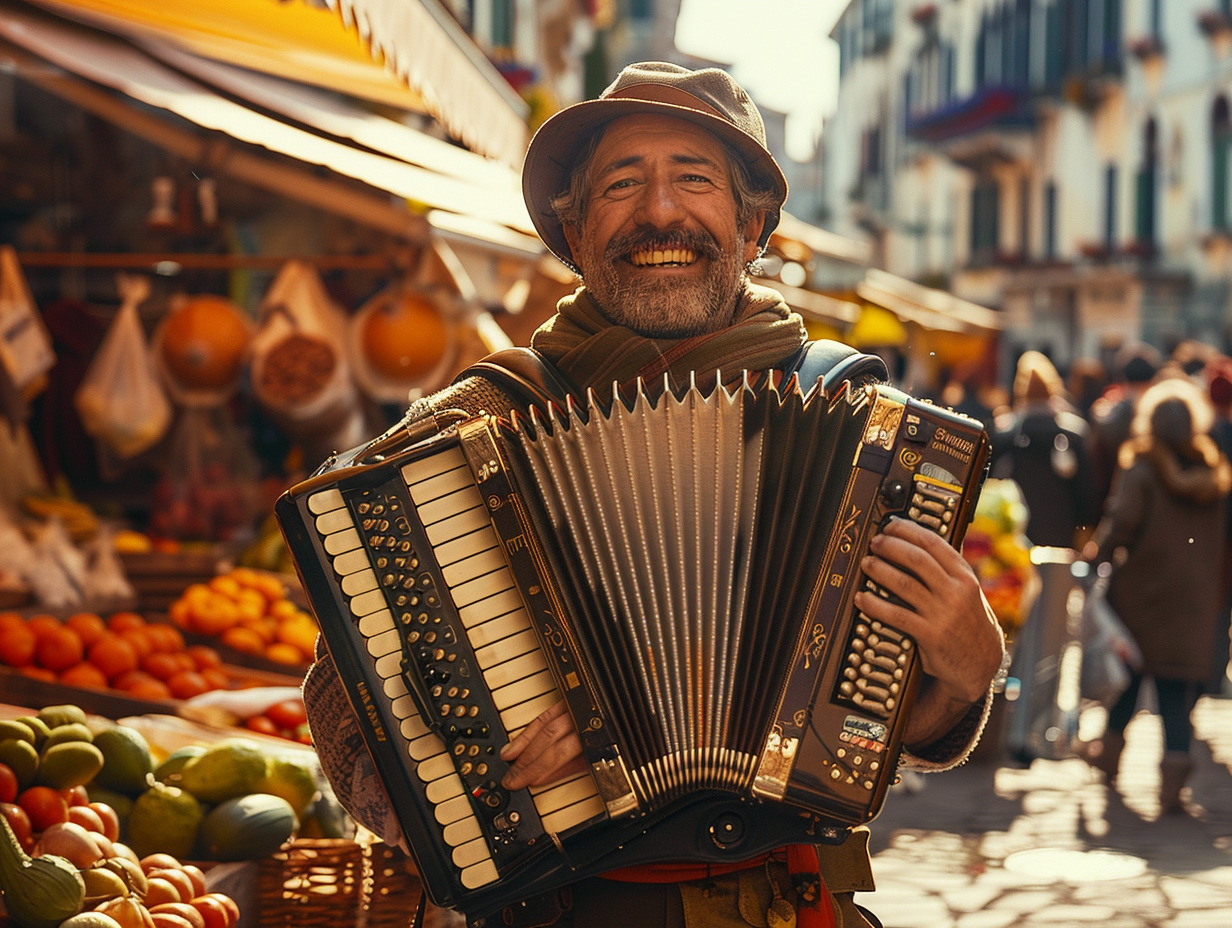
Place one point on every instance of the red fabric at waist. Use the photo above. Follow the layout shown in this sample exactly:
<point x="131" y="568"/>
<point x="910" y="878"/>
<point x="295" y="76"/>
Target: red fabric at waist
<point x="800" y="859"/>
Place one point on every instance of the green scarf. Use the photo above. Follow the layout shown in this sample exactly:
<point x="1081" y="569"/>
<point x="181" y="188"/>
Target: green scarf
<point x="594" y="353"/>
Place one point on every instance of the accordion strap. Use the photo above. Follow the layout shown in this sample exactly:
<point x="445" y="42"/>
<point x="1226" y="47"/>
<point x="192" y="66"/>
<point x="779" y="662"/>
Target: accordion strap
<point x="524" y="374"/>
<point x="832" y="362"/>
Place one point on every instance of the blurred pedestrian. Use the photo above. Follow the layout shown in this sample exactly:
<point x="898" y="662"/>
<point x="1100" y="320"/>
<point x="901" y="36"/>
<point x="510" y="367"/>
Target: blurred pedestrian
<point x="1163" y="533"/>
<point x="1219" y="388"/>
<point x="1041" y="444"/>
<point x="1087" y="380"/>
<point x="1112" y="414"/>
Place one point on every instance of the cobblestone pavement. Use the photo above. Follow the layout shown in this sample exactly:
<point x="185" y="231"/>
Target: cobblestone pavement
<point x="994" y="844"/>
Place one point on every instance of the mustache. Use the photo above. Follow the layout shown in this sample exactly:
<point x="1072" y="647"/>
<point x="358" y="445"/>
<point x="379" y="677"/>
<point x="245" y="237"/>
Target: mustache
<point x="698" y="240"/>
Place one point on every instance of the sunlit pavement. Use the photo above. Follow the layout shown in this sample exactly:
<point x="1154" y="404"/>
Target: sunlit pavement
<point x="994" y="844"/>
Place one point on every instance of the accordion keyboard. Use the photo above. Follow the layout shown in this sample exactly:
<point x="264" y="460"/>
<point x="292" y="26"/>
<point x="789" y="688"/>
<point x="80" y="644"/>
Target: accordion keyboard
<point x="476" y="578"/>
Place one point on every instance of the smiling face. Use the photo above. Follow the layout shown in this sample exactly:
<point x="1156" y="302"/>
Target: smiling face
<point x="659" y="245"/>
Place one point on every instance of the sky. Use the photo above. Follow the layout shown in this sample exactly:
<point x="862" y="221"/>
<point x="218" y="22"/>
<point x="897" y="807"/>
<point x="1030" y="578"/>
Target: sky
<point x="778" y="49"/>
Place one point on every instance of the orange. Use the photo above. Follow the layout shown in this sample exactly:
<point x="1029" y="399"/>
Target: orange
<point x="203" y="656"/>
<point x="119" y="621"/>
<point x="39" y="673"/>
<point x="143" y="686"/>
<point x="250" y="604"/>
<point x="41" y="623"/>
<point x="17" y="644"/>
<point x="58" y="648"/>
<point x="113" y="655"/>
<point x="160" y="665"/>
<point x="9" y="619"/>
<point x="139" y="638"/>
<point x="187" y="684"/>
<point x="243" y="638"/>
<point x="264" y="627"/>
<point x="88" y="625"/>
<point x="282" y="653"/>
<point x="216" y="677"/>
<point x="179" y="612"/>
<point x="213" y="616"/>
<point x="203" y="341"/>
<point x="84" y="675"/>
<point x="283" y="609"/>
<point x="404" y="337"/>
<point x="164" y="637"/>
<point x="226" y="585"/>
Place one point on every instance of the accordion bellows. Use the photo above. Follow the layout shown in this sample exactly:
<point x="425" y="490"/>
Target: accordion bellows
<point x="680" y="570"/>
<point x="693" y="551"/>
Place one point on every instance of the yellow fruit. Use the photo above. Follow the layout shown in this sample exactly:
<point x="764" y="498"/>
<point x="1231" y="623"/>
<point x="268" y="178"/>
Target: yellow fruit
<point x="228" y="768"/>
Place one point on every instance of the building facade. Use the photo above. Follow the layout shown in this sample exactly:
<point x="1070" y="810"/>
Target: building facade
<point x="1065" y="161"/>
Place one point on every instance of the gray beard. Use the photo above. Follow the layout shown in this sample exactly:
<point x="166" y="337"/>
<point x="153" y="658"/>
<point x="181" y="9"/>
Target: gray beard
<point x="677" y="310"/>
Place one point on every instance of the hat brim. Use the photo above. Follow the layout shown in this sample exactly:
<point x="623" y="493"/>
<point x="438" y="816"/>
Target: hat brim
<point x="551" y="152"/>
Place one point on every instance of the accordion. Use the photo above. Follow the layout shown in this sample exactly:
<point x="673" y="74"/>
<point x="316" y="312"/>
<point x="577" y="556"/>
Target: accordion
<point x="679" y="570"/>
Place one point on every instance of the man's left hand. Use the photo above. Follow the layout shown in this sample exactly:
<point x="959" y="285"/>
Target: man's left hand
<point x="944" y="611"/>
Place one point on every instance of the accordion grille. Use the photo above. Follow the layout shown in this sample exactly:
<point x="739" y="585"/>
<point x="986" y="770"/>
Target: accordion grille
<point x="694" y="528"/>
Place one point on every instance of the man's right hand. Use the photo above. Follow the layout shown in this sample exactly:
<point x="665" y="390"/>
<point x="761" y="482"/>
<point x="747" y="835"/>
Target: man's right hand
<point x="548" y="749"/>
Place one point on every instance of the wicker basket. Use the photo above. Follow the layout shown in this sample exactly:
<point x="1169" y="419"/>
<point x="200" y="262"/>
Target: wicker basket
<point x="335" y="883"/>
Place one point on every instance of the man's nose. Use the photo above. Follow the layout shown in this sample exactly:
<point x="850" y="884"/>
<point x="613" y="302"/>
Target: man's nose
<point x="660" y="204"/>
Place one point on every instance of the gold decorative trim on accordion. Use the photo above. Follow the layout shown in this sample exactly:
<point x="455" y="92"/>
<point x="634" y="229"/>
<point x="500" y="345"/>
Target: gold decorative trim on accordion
<point x="680" y="570"/>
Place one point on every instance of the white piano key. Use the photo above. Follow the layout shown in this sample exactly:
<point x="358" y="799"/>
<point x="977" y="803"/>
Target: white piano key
<point x="556" y="822"/>
<point x="453" y="810"/>
<point x="352" y="562"/>
<point x="324" y="501"/>
<point x="445" y="788"/>
<point x="374" y="623"/>
<point x="489" y="608"/>
<point x="341" y="542"/>
<point x="479" y="875"/>
<point x="462" y="522"/>
<point x="394" y="688"/>
<point x="403" y="707"/>
<point x="446" y="506"/>
<point x="477" y="565"/>
<point x="507" y="649"/>
<point x="363" y="581"/>
<point x="425" y="491"/>
<point x="334" y="521"/>
<point x="471" y="853"/>
<point x="385" y="643"/>
<point x="425" y="748"/>
<point x="482" y="587"/>
<point x="413" y="726"/>
<point x="459" y="833"/>
<point x="523" y="689"/>
<point x="563" y="793"/>
<point x="368" y="603"/>
<point x="503" y="674"/>
<point x="389" y="665"/>
<point x="518" y="717"/>
<point x="435" y="768"/>
<point x="461" y="548"/>
<point x="511" y="623"/>
<point x="433" y="464"/>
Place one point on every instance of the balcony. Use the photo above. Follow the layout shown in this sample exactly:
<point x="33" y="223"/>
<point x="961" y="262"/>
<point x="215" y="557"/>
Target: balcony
<point x="990" y="126"/>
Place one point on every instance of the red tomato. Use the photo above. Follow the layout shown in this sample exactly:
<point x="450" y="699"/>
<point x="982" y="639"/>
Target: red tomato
<point x="19" y="821"/>
<point x="76" y="796"/>
<point x="288" y="714"/>
<point x="263" y="724"/>
<point x="44" y="805"/>
<point x="110" y="819"/>
<point x="8" y="784"/>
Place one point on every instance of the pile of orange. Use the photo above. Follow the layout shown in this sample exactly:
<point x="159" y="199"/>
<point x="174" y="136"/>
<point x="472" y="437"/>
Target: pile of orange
<point x="248" y="610"/>
<point x="147" y="660"/>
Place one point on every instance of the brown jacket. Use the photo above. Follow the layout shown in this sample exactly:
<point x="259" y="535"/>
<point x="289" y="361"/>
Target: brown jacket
<point x="1167" y="514"/>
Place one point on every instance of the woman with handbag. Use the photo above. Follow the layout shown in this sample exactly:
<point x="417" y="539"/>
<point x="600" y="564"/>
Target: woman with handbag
<point x="1163" y="533"/>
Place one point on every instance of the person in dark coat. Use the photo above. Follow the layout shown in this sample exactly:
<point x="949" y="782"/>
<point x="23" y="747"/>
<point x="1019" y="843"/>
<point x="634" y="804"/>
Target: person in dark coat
<point x="1042" y="445"/>
<point x="1163" y="533"/>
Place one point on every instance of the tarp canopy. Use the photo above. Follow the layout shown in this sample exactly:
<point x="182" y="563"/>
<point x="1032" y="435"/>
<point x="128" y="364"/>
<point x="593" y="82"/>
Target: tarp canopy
<point x="444" y="178"/>
<point x="928" y="307"/>
<point x="300" y="40"/>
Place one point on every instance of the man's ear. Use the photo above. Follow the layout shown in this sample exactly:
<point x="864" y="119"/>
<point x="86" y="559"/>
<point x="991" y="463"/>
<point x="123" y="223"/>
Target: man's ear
<point x="573" y="237"/>
<point x="752" y="235"/>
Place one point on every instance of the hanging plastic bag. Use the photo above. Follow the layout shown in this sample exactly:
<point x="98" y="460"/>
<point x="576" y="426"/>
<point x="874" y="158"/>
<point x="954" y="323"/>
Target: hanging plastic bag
<point x="1109" y="652"/>
<point x="300" y="373"/>
<point x="25" y="343"/>
<point x="121" y="401"/>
